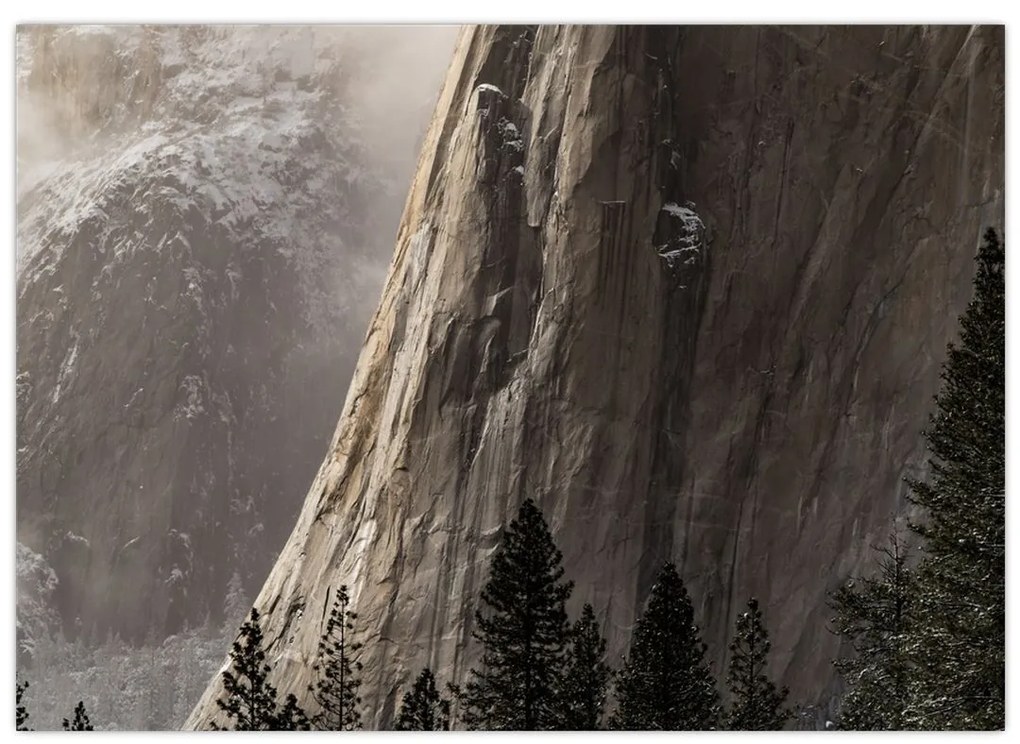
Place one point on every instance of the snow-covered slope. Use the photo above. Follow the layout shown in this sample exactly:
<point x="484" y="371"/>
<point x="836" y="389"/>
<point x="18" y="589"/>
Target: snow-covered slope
<point x="204" y="223"/>
<point x="36" y="619"/>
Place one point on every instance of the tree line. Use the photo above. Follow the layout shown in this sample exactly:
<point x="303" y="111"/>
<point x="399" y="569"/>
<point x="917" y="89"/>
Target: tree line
<point x="923" y="637"/>
<point x="537" y="671"/>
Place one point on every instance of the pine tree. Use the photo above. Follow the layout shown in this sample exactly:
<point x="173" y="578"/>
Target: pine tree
<point x="665" y="683"/>
<point x="875" y="615"/>
<point x="291" y="717"/>
<point x="587" y="675"/>
<point x="250" y="701"/>
<point x="20" y="711"/>
<point x="336" y="689"/>
<point x="424" y="708"/>
<point x="755" y="703"/>
<point x="960" y="650"/>
<point x="523" y="630"/>
<point x="81" y="720"/>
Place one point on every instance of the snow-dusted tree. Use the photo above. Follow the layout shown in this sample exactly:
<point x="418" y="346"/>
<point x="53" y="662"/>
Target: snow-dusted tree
<point x="128" y="688"/>
<point x="336" y="688"/>
<point x="36" y="618"/>
<point x="20" y="711"/>
<point x="875" y="616"/>
<point x="960" y="649"/>
<point x="585" y="682"/>
<point x="523" y="630"/>
<point x="755" y="703"/>
<point x="424" y="708"/>
<point x="665" y="683"/>
<point x="249" y="700"/>
<point x="81" y="720"/>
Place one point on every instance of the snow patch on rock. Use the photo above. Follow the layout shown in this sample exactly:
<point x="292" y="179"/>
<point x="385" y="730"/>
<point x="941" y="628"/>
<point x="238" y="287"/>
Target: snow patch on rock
<point x="687" y="243"/>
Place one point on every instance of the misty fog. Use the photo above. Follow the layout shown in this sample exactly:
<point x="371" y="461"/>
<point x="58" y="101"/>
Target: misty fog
<point x="205" y="218"/>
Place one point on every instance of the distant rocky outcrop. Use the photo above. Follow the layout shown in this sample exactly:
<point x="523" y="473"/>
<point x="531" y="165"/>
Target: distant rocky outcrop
<point x="203" y="226"/>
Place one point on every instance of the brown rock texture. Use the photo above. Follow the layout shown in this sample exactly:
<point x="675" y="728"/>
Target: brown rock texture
<point x="690" y="289"/>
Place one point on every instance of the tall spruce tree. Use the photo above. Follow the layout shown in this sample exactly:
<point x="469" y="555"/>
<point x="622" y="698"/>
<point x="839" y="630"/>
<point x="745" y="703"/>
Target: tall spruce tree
<point x="665" y="683"/>
<point x="81" y="720"/>
<point x="523" y="629"/>
<point x="960" y="649"/>
<point x="876" y="617"/>
<point x="586" y="679"/>
<point x="755" y="703"/>
<point x="20" y="711"/>
<point x="249" y="701"/>
<point x="336" y="688"/>
<point x="424" y="708"/>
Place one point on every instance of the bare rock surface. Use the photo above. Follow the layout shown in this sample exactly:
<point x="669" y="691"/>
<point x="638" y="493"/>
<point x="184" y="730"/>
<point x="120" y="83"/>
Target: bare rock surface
<point x="690" y="289"/>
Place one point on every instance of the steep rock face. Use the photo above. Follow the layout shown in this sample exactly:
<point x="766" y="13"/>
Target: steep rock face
<point x="689" y="289"/>
<point x="197" y="255"/>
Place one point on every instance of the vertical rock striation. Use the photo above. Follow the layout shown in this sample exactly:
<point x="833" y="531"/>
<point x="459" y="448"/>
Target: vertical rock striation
<point x="689" y="288"/>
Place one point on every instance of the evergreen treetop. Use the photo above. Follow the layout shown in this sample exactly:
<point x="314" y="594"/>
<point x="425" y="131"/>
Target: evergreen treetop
<point x="20" y="711"/>
<point x="424" y="708"/>
<point x="291" y="717"/>
<point x="665" y="683"/>
<point x="587" y="675"/>
<point x="875" y="615"/>
<point x="336" y="688"/>
<point x="250" y="701"/>
<point x="960" y="649"/>
<point x="523" y="628"/>
<point x="755" y="703"/>
<point x="81" y="720"/>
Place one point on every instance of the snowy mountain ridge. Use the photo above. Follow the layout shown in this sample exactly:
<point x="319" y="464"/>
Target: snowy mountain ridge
<point x="203" y="227"/>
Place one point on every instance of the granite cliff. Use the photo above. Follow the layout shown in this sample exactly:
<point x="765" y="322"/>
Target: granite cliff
<point x="690" y="289"/>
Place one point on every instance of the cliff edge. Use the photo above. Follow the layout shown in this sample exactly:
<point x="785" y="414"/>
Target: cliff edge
<point x="690" y="289"/>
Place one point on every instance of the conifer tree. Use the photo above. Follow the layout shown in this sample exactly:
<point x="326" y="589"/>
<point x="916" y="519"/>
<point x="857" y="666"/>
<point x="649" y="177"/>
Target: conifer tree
<point x="960" y="649"/>
<point x="291" y="717"/>
<point x="665" y="683"/>
<point x="755" y="703"/>
<point x="424" y="708"/>
<point x="523" y="629"/>
<point x="875" y="616"/>
<point x="81" y="720"/>
<point x="249" y="700"/>
<point x="336" y="689"/>
<point x="587" y="675"/>
<point x="20" y="711"/>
